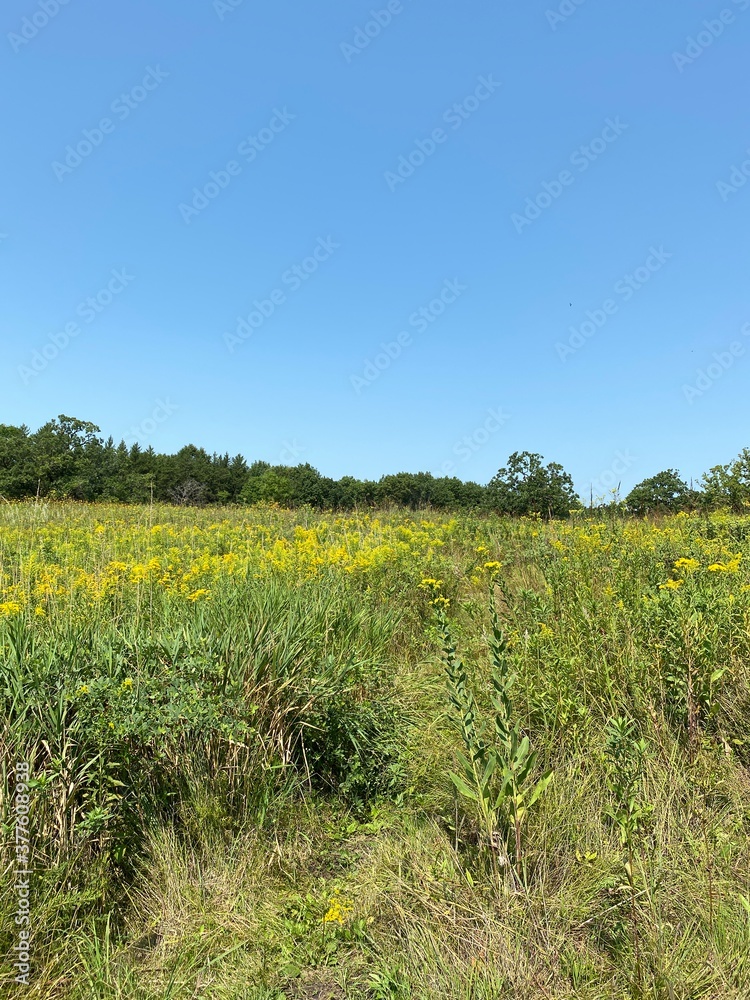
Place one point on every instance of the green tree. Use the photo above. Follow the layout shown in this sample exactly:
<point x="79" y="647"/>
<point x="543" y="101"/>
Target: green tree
<point x="728" y="485"/>
<point x="65" y="453"/>
<point x="663" y="493"/>
<point x="268" y="487"/>
<point x="349" y="493"/>
<point x="17" y="476"/>
<point x="526" y="486"/>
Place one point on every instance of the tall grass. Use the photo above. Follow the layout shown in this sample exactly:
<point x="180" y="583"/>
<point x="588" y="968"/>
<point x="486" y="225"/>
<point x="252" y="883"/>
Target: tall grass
<point x="241" y="743"/>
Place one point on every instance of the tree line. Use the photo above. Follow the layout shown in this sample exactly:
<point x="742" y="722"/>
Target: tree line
<point x="68" y="458"/>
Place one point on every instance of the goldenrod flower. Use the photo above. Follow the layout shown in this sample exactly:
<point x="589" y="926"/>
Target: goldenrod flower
<point x="729" y="567"/>
<point x="687" y="564"/>
<point x="338" y="911"/>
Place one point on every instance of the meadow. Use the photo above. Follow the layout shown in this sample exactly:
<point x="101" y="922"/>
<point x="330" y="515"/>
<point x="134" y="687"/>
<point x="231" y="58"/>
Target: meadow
<point x="289" y="754"/>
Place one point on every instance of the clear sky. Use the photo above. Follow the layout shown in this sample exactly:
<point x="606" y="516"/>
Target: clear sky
<point x="538" y="208"/>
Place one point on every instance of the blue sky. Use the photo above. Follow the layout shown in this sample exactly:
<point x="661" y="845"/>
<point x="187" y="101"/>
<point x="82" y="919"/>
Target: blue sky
<point x="538" y="208"/>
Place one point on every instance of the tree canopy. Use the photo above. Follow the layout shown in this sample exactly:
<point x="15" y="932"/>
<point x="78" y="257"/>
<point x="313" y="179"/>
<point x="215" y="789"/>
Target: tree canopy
<point x="68" y="458"/>
<point x="525" y="486"/>
<point x="663" y="493"/>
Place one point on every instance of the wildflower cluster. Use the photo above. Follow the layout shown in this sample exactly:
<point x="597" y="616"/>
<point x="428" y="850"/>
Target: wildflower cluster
<point x="338" y="912"/>
<point x="71" y="563"/>
<point x="437" y="600"/>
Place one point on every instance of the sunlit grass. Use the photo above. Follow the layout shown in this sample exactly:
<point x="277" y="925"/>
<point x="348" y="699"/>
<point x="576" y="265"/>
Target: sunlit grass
<point x="238" y="724"/>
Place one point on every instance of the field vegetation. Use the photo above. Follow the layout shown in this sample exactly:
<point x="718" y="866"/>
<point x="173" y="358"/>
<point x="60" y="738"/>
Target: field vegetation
<point x="388" y="754"/>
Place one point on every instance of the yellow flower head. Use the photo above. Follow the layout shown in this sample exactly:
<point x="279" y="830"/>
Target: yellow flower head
<point x="670" y="585"/>
<point x="689" y="565"/>
<point x="338" y="911"/>
<point x="127" y="683"/>
<point x="198" y="595"/>
<point x="492" y="567"/>
<point x="732" y="566"/>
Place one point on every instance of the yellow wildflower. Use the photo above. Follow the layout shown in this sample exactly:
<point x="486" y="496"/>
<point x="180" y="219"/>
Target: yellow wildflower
<point x="670" y="585"/>
<point x="687" y="564"/>
<point x="338" y="911"/>
<point x="729" y="567"/>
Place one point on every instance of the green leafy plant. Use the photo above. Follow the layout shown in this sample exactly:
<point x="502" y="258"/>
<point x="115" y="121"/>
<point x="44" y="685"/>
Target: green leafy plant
<point x="497" y="767"/>
<point x="627" y="809"/>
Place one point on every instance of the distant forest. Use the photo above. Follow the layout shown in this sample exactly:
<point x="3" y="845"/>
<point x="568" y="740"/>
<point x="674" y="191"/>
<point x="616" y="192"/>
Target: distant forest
<point x="68" y="459"/>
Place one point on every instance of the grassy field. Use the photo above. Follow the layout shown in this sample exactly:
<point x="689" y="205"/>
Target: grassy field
<point x="277" y="754"/>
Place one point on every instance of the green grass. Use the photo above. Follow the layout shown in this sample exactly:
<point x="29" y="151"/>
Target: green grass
<point x="239" y="770"/>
